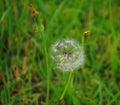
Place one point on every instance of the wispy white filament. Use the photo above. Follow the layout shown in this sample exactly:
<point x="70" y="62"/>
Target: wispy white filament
<point x="67" y="54"/>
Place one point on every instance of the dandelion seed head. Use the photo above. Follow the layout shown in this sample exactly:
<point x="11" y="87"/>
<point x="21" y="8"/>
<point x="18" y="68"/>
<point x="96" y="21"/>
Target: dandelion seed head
<point x="67" y="54"/>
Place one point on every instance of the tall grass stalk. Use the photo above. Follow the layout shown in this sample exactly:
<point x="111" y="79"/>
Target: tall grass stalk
<point x="40" y="28"/>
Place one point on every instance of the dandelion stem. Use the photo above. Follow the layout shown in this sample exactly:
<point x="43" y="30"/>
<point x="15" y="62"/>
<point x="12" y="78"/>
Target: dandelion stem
<point x="67" y="84"/>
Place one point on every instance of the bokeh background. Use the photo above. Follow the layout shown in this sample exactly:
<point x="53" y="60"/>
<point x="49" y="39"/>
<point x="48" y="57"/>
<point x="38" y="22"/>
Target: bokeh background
<point x="27" y="76"/>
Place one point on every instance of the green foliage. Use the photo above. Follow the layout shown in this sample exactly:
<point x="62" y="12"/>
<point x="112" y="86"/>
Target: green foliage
<point x="27" y="74"/>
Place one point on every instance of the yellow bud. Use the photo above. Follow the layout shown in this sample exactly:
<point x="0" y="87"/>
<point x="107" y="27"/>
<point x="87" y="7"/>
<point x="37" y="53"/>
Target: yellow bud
<point x="86" y="32"/>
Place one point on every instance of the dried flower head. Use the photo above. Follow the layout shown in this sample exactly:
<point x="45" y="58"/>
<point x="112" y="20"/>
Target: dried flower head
<point x="33" y="11"/>
<point x="67" y="54"/>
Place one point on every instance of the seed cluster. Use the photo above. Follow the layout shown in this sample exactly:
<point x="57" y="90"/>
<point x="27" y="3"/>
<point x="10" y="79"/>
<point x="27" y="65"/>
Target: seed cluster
<point x="67" y="54"/>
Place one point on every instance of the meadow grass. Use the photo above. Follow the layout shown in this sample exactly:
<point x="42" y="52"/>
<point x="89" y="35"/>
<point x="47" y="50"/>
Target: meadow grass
<point x="27" y="74"/>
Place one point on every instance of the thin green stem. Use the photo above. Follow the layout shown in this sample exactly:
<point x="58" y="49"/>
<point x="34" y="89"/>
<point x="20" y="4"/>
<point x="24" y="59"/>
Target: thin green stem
<point x="67" y="84"/>
<point x="48" y="78"/>
<point x="40" y="28"/>
<point x="83" y="40"/>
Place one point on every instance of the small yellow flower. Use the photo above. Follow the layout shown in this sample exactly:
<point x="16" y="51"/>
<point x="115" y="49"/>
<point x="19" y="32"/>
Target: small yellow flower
<point x="86" y="33"/>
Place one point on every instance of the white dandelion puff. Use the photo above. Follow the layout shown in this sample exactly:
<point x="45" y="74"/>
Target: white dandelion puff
<point x="67" y="54"/>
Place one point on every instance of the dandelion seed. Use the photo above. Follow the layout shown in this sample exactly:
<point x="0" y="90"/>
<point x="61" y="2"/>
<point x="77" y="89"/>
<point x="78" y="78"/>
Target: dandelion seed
<point x="67" y="54"/>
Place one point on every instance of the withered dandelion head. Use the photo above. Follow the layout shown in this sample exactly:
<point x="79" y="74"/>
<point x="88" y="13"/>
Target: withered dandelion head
<point x="67" y="54"/>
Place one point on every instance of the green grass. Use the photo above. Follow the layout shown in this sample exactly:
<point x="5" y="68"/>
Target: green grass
<point x="97" y="82"/>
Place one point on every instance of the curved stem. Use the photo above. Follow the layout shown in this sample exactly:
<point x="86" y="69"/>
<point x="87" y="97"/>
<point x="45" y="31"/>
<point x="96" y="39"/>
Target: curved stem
<point x="67" y="84"/>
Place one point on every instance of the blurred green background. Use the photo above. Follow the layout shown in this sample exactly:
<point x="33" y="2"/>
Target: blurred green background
<point x="27" y="76"/>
